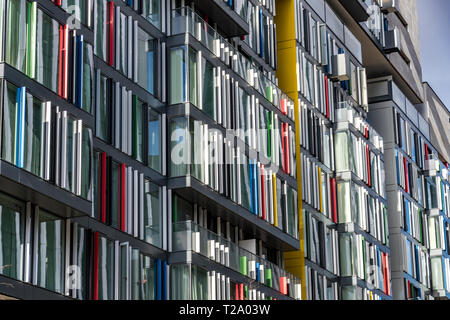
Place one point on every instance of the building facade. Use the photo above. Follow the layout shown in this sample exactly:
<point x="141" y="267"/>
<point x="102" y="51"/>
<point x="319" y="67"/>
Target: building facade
<point x="219" y="150"/>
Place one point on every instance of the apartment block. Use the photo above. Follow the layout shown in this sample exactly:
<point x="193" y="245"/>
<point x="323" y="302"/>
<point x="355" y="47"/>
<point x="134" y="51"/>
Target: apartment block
<point x="346" y="253"/>
<point x="220" y="150"/>
<point x="147" y="151"/>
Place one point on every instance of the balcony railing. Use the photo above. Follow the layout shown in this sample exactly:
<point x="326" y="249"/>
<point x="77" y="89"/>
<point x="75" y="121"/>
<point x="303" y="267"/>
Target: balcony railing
<point x="189" y="236"/>
<point x="185" y="20"/>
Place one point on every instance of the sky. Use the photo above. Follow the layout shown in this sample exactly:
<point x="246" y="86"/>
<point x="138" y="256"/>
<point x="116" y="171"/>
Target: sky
<point x="434" y="25"/>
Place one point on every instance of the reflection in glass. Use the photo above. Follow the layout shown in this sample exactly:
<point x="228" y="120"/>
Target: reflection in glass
<point x="51" y="270"/>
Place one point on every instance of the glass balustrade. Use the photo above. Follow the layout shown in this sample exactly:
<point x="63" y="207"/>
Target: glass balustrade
<point x="189" y="236"/>
<point x="185" y="20"/>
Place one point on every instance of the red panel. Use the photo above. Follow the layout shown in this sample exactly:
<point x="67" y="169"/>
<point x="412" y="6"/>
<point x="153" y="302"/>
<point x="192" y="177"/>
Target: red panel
<point x="283" y="285"/>
<point x="285" y="144"/>
<point x="95" y="266"/>
<point x="388" y="278"/>
<point x="385" y="273"/>
<point x="122" y="189"/>
<point x="283" y="106"/>
<point x="111" y="32"/>
<point x="66" y="60"/>
<point x="237" y="291"/>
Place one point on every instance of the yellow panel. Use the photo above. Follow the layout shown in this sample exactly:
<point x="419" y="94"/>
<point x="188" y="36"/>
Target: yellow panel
<point x="287" y="80"/>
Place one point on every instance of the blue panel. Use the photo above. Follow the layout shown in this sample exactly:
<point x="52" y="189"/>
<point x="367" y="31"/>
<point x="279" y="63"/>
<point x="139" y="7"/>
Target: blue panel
<point x="158" y="279"/>
<point x="164" y="276"/>
<point x="257" y="272"/>
<point x="250" y="168"/>
<point x="261" y="34"/>
<point x="327" y="67"/>
<point x="408" y="228"/>
<point x="20" y="121"/>
<point x="255" y="179"/>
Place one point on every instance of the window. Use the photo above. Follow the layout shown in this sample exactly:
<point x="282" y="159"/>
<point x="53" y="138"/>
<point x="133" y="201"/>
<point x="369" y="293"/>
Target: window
<point x="245" y="182"/>
<point x="105" y="263"/>
<point x="12" y="237"/>
<point x="123" y="50"/>
<point x="100" y="14"/>
<point x="16" y="43"/>
<point x="116" y="196"/>
<point x="151" y="10"/>
<point x="96" y="184"/>
<point x="193" y="82"/>
<point x="138" y="129"/>
<point x="292" y="225"/>
<point x="2" y="22"/>
<point x="142" y="276"/>
<point x="22" y="129"/>
<point x="80" y="255"/>
<point x="265" y="131"/>
<point x="147" y="61"/>
<point x="244" y="115"/>
<point x="103" y="109"/>
<point x="51" y="268"/>
<point x="199" y="283"/>
<point x="309" y="81"/>
<point x="182" y="209"/>
<point x="47" y="51"/>
<point x="148" y="278"/>
<point x="154" y="140"/>
<point x="198" y="158"/>
<point x="88" y="77"/>
<point x="353" y="83"/>
<point x="86" y="163"/>
<point x="208" y="97"/>
<point x="178" y="75"/>
<point x="180" y="282"/>
<point x="344" y="205"/>
<point x="345" y="251"/>
<point x="80" y="9"/>
<point x="179" y="154"/>
<point x="152" y="214"/>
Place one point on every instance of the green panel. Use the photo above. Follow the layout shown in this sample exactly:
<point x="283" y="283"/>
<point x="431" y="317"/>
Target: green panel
<point x="268" y="277"/>
<point x="243" y="262"/>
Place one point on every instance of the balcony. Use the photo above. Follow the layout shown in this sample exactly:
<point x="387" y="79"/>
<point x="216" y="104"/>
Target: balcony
<point x="358" y="9"/>
<point x="394" y="43"/>
<point x="432" y="166"/>
<point x="188" y="236"/>
<point x="440" y="275"/>
<point x="340" y="67"/>
<point x="233" y="17"/>
<point x="392" y="6"/>
<point x="185" y="20"/>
